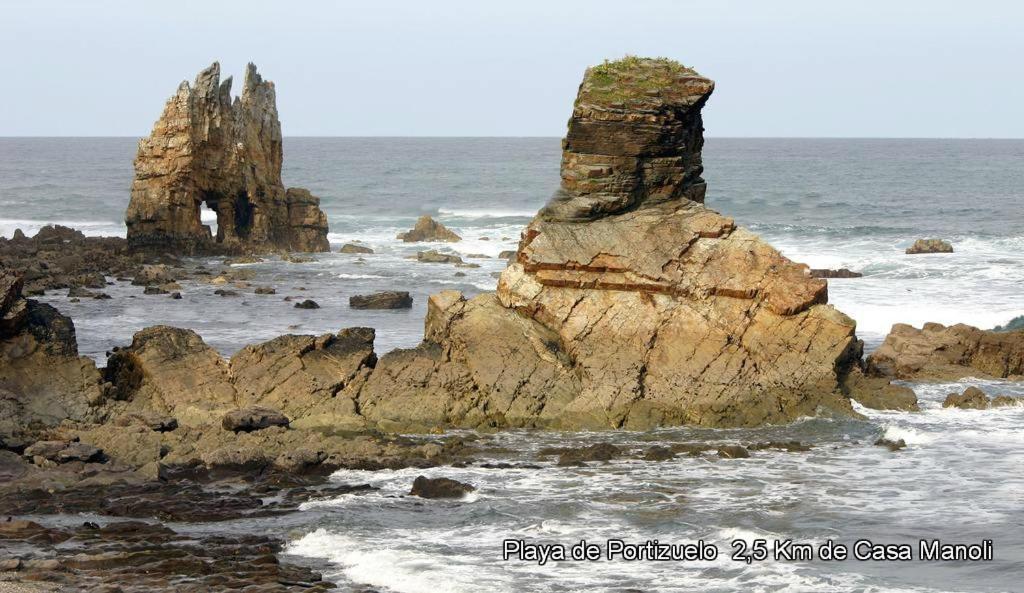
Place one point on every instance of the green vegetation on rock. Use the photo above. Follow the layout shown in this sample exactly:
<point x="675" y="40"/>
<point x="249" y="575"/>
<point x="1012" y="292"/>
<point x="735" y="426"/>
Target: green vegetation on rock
<point x="631" y="78"/>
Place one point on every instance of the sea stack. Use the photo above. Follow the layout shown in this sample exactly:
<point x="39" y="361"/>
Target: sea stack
<point x="208" y="148"/>
<point x="629" y="304"/>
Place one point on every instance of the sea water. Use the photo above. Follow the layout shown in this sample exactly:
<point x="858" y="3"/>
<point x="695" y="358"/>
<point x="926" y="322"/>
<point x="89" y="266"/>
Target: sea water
<point x="825" y="202"/>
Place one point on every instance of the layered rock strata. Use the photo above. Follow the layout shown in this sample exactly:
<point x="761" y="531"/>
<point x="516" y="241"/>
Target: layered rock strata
<point x="208" y="148"/>
<point x="629" y="303"/>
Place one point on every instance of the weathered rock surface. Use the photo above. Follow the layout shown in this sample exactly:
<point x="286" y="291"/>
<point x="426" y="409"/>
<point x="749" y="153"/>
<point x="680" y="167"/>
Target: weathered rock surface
<point x="937" y="352"/>
<point x="254" y="418"/>
<point x="352" y="248"/>
<point x="43" y="381"/>
<point x="307" y="304"/>
<point x="629" y="303"/>
<point x="929" y="246"/>
<point x="425" y="487"/>
<point x="209" y="149"/>
<point x="971" y="399"/>
<point x="436" y="257"/>
<point x="428" y="229"/>
<point x="840" y="273"/>
<point x="389" y="299"/>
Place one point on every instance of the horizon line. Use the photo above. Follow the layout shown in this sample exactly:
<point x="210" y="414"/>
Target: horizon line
<point x="456" y="137"/>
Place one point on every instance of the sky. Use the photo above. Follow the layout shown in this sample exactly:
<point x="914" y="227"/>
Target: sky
<point x="894" y="68"/>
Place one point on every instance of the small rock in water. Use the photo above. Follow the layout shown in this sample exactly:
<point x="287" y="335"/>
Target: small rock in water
<point x="733" y="452"/>
<point x="176" y="296"/>
<point x="929" y="246"/>
<point x="432" y="256"/>
<point x="154" y="290"/>
<point x="1002" y="401"/>
<point x="307" y="304"/>
<point x="225" y="293"/>
<point x="388" y="299"/>
<point x="265" y="290"/>
<point x="658" y="453"/>
<point x="428" y="229"/>
<point x="840" y="273"/>
<point x="971" y="399"/>
<point x="350" y="248"/>
<point x="425" y="487"/>
<point x="576" y="456"/>
<point x="891" y="444"/>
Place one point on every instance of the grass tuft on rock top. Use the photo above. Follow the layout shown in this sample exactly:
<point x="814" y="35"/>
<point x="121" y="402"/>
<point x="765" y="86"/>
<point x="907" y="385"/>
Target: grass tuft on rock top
<point x="631" y="78"/>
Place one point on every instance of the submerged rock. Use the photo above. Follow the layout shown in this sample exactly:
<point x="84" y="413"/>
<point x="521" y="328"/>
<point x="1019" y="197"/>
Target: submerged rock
<point x="428" y="229"/>
<point x="209" y="149"/>
<point x="938" y="352"/>
<point x="307" y="304"/>
<point x="425" y="487"/>
<point x="389" y="299"/>
<point x="929" y="246"/>
<point x="733" y="452"/>
<point x="892" y="445"/>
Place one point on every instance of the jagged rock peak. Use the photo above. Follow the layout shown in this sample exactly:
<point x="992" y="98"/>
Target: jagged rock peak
<point x="227" y="154"/>
<point x="634" y="138"/>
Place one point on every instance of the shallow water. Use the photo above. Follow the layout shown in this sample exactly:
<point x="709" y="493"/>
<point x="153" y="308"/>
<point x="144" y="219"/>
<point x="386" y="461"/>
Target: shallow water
<point x="958" y="480"/>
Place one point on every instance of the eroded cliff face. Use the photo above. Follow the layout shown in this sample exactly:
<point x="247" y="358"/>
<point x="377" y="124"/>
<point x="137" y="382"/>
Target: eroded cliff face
<point x="209" y="149"/>
<point x="629" y="303"/>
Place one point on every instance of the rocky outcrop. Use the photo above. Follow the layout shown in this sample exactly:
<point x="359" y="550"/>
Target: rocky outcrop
<point x="43" y="381"/>
<point x="209" y="149"/>
<point x="940" y="353"/>
<point x="355" y="249"/>
<point x="428" y="229"/>
<point x="629" y="303"/>
<point x="971" y="399"/>
<point x="929" y="246"/>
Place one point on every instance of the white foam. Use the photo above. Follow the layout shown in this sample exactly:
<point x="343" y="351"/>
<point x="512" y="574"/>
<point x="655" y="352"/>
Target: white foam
<point x="485" y="213"/>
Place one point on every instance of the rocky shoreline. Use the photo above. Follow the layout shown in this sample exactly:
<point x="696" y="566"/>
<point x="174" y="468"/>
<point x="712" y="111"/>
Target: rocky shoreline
<point x="628" y="304"/>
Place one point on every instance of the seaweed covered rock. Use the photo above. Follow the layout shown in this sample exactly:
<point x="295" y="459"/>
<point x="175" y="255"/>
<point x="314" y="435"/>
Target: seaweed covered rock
<point x="208" y="148"/>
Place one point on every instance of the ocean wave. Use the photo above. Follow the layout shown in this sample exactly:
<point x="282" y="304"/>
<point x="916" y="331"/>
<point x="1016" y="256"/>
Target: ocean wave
<point x="485" y="213"/>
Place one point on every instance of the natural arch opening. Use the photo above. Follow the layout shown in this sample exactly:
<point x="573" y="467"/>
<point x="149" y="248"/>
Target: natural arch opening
<point x="208" y="218"/>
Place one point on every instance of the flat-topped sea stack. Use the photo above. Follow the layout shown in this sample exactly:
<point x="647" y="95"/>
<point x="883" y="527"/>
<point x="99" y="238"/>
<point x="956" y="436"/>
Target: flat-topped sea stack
<point x="630" y="304"/>
<point x="208" y="148"/>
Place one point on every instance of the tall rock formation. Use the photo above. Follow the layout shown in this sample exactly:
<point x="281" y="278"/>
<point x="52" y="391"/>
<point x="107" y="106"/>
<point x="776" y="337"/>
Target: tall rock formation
<point x="209" y="149"/>
<point x="629" y="303"/>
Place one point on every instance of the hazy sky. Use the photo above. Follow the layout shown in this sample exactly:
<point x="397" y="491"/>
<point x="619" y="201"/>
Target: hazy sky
<point x="914" y="68"/>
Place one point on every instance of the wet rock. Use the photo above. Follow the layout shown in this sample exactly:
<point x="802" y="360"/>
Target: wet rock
<point x="891" y="444"/>
<point x="435" y="257"/>
<point x="428" y="229"/>
<point x="242" y="260"/>
<point x="265" y="290"/>
<point x="466" y="265"/>
<point x="840" y="273"/>
<point x="208" y="148"/>
<point x="788" y="446"/>
<point x="225" y="292"/>
<point x="929" y="246"/>
<point x="389" y="299"/>
<point x="658" y="453"/>
<point x="352" y="248"/>
<point x="971" y="399"/>
<point x="733" y="452"/>
<point x="577" y="456"/>
<point x="154" y="290"/>
<point x="507" y="255"/>
<point x="937" y="352"/>
<point x="307" y="304"/>
<point x="255" y="418"/>
<point x="81" y="293"/>
<point x="1004" y="401"/>
<point x="176" y="296"/>
<point x="425" y="487"/>
<point x="153" y="275"/>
